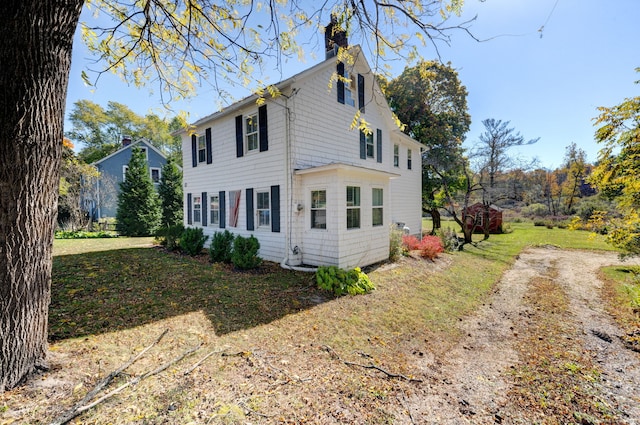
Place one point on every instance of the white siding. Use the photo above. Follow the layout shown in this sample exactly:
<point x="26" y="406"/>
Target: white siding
<point x="227" y="172"/>
<point x="318" y="134"/>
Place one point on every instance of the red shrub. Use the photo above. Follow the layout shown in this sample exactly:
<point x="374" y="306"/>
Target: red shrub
<point x="429" y="246"/>
<point x="410" y="242"/>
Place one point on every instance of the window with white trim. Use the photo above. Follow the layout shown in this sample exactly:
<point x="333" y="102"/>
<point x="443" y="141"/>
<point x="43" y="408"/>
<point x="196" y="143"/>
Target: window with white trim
<point x="376" y="206"/>
<point x="197" y="209"/>
<point x="349" y="88"/>
<point x="396" y="155"/>
<point x="369" y="141"/>
<point x="156" y="174"/>
<point x="318" y="209"/>
<point x="353" y="207"/>
<point x="214" y="210"/>
<point x="125" y="168"/>
<point x="251" y="127"/>
<point x="263" y="209"/>
<point x="202" y="149"/>
<point x="409" y="159"/>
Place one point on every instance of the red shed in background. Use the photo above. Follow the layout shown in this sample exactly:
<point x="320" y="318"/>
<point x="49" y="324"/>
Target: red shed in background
<point x="476" y="218"/>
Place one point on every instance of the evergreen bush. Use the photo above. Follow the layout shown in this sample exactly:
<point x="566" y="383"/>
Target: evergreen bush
<point x="138" y="205"/>
<point x="221" y="247"/>
<point x="169" y="237"/>
<point x="192" y="240"/>
<point x="245" y="252"/>
<point x="171" y="194"/>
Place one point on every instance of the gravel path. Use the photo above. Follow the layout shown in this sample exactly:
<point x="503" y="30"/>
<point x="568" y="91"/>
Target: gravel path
<point x="469" y="386"/>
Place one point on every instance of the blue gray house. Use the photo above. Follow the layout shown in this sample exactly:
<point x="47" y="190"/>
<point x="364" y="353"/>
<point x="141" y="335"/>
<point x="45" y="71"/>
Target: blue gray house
<point x="112" y="168"/>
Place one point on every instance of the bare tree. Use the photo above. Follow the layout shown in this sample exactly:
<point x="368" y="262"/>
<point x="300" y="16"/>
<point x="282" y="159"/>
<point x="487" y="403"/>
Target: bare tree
<point x="492" y="157"/>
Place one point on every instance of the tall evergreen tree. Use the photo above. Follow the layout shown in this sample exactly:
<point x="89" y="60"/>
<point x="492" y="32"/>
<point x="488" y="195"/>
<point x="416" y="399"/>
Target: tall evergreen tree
<point x="170" y="192"/>
<point x="138" y="204"/>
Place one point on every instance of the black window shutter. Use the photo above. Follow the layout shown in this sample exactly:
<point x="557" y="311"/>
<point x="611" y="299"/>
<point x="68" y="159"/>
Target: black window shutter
<point x="363" y="145"/>
<point x="189" y="208"/>
<point x="262" y="128"/>
<point x="250" y="209"/>
<point x="239" y="133"/>
<point x="275" y="208"/>
<point x="340" y="84"/>
<point x="361" y="92"/>
<point x="207" y="135"/>
<point x="379" y="145"/>
<point x="194" y="150"/>
<point x="222" y="209"/>
<point x="203" y="208"/>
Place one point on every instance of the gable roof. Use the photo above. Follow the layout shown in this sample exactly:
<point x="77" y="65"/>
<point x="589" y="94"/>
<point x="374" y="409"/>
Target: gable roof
<point x="359" y="60"/>
<point x="146" y="143"/>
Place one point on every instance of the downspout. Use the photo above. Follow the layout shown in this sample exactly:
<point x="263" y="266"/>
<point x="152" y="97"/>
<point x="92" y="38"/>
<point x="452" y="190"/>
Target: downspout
<point x="289" y="192"/>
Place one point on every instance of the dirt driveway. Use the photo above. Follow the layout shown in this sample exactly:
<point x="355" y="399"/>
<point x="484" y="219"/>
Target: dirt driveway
<point x="479" y="381"/>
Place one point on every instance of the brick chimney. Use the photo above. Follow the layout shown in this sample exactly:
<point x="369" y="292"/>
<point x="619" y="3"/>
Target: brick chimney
<point x="126" y="141"/>
<point x="334" y="37"/>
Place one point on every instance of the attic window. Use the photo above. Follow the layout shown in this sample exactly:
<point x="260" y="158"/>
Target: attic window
<point x="349" y="88"/>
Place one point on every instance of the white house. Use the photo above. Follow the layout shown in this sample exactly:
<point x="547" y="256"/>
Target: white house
<point x="293" y="172"/>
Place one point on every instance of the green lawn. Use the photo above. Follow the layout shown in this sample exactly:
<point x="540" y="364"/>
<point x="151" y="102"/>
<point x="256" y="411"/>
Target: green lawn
<point x="111" y="297"/>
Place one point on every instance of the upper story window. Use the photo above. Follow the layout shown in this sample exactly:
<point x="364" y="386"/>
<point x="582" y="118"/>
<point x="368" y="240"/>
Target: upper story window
<point x="202" y="149"/>
<point x="409" y="159"/>
<point x="251" y="131"/>
<point x="214" y="208"/>
<point x="353" y="207"/>
<point x="156" y="175"/>
<point x="396" y="155"/>
<point x="125" y="168"/>
<point x="263" y="209"/>
<point x="318" y="209"/>
<point x="370" y="150"/>
<point x="197" y="208"/>
<point x="349" y="89"/>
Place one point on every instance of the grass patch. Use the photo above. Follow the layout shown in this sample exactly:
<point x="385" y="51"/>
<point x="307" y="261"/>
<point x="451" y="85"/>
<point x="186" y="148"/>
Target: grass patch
<point x="555" y="381"/>
<point x="107" y="291"/>
<point x="622" y="290"/>
<point x="111" y="297"/>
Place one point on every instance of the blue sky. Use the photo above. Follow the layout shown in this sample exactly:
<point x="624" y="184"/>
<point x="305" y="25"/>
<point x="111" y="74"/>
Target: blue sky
<point x="547" y="84"/>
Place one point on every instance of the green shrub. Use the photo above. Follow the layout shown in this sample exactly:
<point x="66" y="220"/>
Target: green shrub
<point x="169" y="237"/>
<point x="245" y="253"/>
<point x="192" y="240"/>
<point x="535" y="210"/>
<point x="448" y="239"/>
<point x="81" y="234"/>
<point x="342" y="282"/>
<point x="395" y="243"/>
<point x="221" y="247"/>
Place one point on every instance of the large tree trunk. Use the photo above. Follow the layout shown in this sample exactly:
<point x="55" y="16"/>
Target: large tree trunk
<point x="435" y="220"/>
<point x="35" y="58"/>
